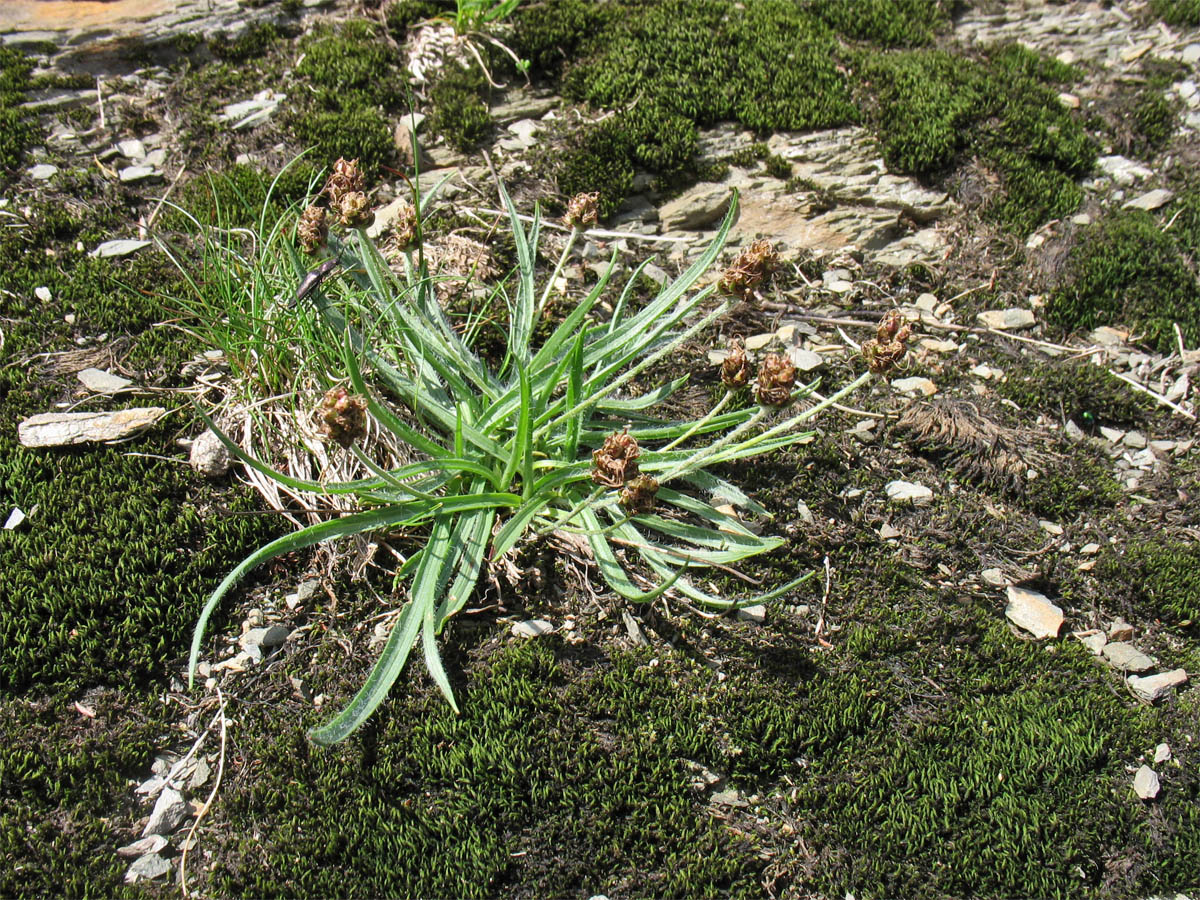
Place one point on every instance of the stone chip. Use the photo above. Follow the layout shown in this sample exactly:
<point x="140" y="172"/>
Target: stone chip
<point x="1033" y="612"/>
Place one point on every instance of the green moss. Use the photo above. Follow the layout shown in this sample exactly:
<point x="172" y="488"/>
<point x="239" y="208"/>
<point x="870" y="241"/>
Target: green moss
<point x="17" y="128"/>
<point x="235" y="197"/>
<point x="931" y="108"/>
<point x="1080" y="391"/>
<point x="357" y="85"/>
<point x="252" y="43"/>
<point x="1069" y="488"/>
<point x="552" y="33"/>
<point x="460" y="112"/>
<point x="1127" y="270"/>
<point x="1177" y="12"/>
<point x="1153" y="118"/>
<point x="778" y="167"/>
<point x="400" y="15"/>
<point x="890" y="23"/>
<point x="1162" y="577"/>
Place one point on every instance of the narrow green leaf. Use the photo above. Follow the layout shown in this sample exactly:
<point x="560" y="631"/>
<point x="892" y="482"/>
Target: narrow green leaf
<point x="433" y="659"/>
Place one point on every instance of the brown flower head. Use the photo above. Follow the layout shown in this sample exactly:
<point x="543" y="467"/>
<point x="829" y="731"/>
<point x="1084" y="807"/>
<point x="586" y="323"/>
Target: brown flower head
<point x="748" y="269"/>
<point x="312" y="229"/>
<point x="637" y="497"/>
<point x="343" y="416"/>
<point x="616" y="461"/>
<point x="404" y="229"/>
<point x="889" y="344"/>
<point x="346" y="179"/>
<point x="735" y="369"/>
<point x="354" y="211"/>
<point x="776" y="378"/>
<point x="582" y="210"/>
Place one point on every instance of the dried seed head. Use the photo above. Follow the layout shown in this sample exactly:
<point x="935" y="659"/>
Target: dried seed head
<point x="616" y="461"/>
<point x="404" y="229"/>
<point x="735" y="369"/>
<point x="776" y="378"/>
<point x="346" y="179"/>
<point x="889" y="344"/>
<point x="582" y="210"/>
<point x="354" y="210"/>
<point x="343" y="416"/>
<point x="312" y="229"/>
<point x="748" y="269"/>
<point x="637" y="497"/>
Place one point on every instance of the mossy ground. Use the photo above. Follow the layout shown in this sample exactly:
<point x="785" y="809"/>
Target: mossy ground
<point x="917" y="748"/>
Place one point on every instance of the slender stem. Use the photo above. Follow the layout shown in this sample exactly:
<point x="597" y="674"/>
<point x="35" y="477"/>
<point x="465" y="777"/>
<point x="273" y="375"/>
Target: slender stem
<point x="700" y="423"/>
<point x="562" y="261"/>
<point x="708" y="453"/>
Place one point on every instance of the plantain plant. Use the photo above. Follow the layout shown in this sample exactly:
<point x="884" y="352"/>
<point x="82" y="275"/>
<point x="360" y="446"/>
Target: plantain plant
<point x="545" y="440"/>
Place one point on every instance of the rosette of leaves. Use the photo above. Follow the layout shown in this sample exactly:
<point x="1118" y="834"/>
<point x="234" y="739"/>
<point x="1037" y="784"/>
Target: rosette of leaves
<point x="506" y="448"/>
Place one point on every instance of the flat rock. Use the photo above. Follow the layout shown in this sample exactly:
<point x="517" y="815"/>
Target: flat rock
<point x="1033" y="612"/>
<point x="1150" y="200"/>
<point x="909" y="492"/>
<point x="1145" y="783"/>
<point x="756" y="614"/>
<point x="995" y="577"/>
<point x="151" y="844"/>
<point x="133" y="174"/>
<point x="386" y="215"/>
<point x="132" y="149"/>
<point x="1121" y="170"/>
<point x="1155" y="687"/>
<point x="252" y="112"/>
<point x="170" y="809"/>
<point x="15" y="519"/>
<point x="915" y="386"/>
<point x="146" y="868"/>
<point x="695" y="208"/>
<point x="1007" y="319"/>
<point x="102" y="382"/>
<point x="43" y="294"/>
<point x="758" y="341"/>
<point x="62" y="429"/>
<point x="1127" y="657"/>
<point x="1094" y="642"/>
<point x="118" y="248"/>
<point x="805" y="360"/>
<point x="1120" y="630"/>
<point x="532" y="628"/>
<point x="1162" y="753"/>
<point x="270" y="636"/>
<point x="43" y="171"/>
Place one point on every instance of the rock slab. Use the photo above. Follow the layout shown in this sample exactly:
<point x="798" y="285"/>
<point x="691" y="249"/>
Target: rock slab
<point x="62" y="429"/>
<point x="1127" y="657"/>
<point x="169" y="812"/>
<point x="1033" y="612"/>
<point x="1155" y="687"/>
<point x="1146" y="784"/>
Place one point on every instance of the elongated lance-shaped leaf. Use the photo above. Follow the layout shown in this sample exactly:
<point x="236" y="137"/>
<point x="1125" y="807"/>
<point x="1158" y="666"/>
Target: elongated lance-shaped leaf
<point x="571" y="326"/>
<point x="612" y="571"/>
<point x="710" y="545"/>
<point x="470" y="537"/>
<point x="521" y="321"/>
<point x="306" y="537"/>
<point x="574" y="390"/>
<point x="433" y="659"/>
<point x="521" y="455"/>
<point x="423" y="598"/>
<point x="516" y="526"/>
<point x="723" y="491"/>
<point x="703" y="511"/>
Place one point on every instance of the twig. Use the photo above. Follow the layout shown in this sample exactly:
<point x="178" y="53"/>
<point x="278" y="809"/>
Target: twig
<point x="824" y="598"/>
<point x="1157" y="396"/>
<point x="163" y="198"/>
<point x="100" y="102"/>
<point x="187" y="843"/>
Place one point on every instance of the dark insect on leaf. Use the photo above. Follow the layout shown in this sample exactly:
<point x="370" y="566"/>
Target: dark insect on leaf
<point x="313" y="279"/>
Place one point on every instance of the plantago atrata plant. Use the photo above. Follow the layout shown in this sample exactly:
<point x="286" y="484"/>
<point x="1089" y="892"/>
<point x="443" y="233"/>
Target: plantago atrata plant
<point x="543" y="440"/>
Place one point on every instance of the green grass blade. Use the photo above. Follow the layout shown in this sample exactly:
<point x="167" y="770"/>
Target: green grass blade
<point x="613" y="572"/>
<point x="433" y="659"/>
<point x="521" y="322"/>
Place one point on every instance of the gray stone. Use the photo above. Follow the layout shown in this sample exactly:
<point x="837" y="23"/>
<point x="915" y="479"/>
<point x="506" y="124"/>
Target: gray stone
<point x="133" y="149"/>
<point x="133" y="174"/>
<point x="805" y="360"/>
<point x="1155" y="687"/>
<point x="43" y="294"/>
<point x="1191" y="53"/>
<point x="209" y="456"/>
<point x="1094" y="642"/>
<point x="15" y="519"/>
<point x="532" y="628"/>
<point x="915" y="386"/>
<point x="1121" y="170"/>
<point x="118" y="248"/>
<point x="1146" y="784"/>
<point x="909" y="492"/>
<point x="1120" y="630"/>
<point x="252" y="112"/>
<point x="756" y="614"/>
<point x="263" y="638"/>
<point x="306" y="589"/>
<point x="1007" y="319"/>
<point x="1127" y="657"/>
<point x="43" y="171"/>
<point x="102" y="382"/>
<point x="1134" y="439"/>
<point x="147" y="868"/>
<point x="1150" y="200"/>
<point x="1033" y="612"/>
<point x="695" y="208"/>
<point x="523" y="107"/>
<point x="60" y="429"/>
<point x="200" y="775"/>
<point x="169" y="812"/>
<point x="152" y="844"/>
<point x="995" y="577"/>
<point x="1162" y="753"/>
